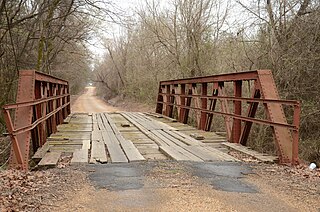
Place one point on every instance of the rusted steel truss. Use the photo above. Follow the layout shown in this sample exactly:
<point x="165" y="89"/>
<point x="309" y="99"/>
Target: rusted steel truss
<point x="202" y="94"/>
<point x="43" y="102"/>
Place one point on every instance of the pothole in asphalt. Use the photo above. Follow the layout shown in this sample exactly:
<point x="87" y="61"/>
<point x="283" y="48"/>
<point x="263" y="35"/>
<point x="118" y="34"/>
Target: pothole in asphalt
<point x="225" y="176"/>
<point x="117" y="177"/>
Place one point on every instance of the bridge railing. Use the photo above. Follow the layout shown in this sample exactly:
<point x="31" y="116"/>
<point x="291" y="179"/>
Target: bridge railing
<point x="202" y="94"/>
<point x="43" y="102"/>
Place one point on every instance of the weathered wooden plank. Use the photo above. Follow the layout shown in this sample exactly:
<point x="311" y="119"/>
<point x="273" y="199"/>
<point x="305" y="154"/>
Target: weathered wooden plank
<point x="220" y="154"/>
<point x="86" y="144"/>
<point x="67" y="120"/>
<point x="75" y="126"/>
<point x="172" y="140"/>
<point x="96" y="135"/>
<point x="201" y="153"/>
<point x="143" y="129"/>
<point x="184" y="138"/>
<point x="40" y="153"/>
<point x="50" y="159"/>
<point x="216" y="140"/>
<point x="128" y="147"/>
<point x="64" y="149"/>
<point x="114" y="149"/>
<point x="156" y="115"/>
<point x="100" y="122"/>
<point x="142" y="141"/>
<point x="95" y="126"/>
<point x="175" y="153"/>
<point x="147" y="146"/>
<point x="80" y="156"/>
<point x="208" y="154"/>
<point x="71" y="135"/>
<point x="145" y="151"/>
<point x="98" y="152"/>
<point x="106" y="124"/>
<point x="131" y="151"/>
<point x="250" y="152"/>
<point x="172" y="153"/>
<point x="164" y="141"/>
<point x="94" y="118"/>
<point x="129" y="129"/>
<point x="65" y="142"/>
<point x="177" y="148"/>
<point x="158" y="124"/>
<point x="150" y="125"/>
<point x="81" y="118"/>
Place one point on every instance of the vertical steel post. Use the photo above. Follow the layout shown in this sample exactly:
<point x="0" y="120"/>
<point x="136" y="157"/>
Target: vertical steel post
<point x="167" y="100"/>
<point x="177" y="99"/>
<point x="15" y="144"/>
<point x="23" y="117"/>
<point x="225" y="109"/>
<point x="204" y="104"/>
<point x="212" y="106"/>
<point x="160" y="103"/>
<point x="236" y="129"/>
<point x="188" y="104"/>
<point x="182" y="102"/>
<point x="252" y="109"/>
<point x="295" y="141"/>
<point x="171" y="106"/>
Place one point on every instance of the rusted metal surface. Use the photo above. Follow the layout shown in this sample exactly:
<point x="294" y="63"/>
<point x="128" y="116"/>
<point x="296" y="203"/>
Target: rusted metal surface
<point x="43" y="101"/>
<point x="261" y="90"/>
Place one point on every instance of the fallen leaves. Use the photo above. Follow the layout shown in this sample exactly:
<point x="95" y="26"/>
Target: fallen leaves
<point x="36" y="190"/>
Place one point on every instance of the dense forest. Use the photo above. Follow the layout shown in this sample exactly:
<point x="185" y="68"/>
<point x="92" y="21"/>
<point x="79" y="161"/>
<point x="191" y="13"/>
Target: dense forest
<point x="165" y="40"/>
<point x="50" y="36"/>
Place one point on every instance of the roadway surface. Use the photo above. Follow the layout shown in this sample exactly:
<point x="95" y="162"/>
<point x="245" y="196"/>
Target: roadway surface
<point x="173" y="186"/>
<point x="90" y="103"/>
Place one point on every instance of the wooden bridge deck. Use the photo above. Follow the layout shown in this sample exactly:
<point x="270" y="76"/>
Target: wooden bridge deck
<point x="129" y="137"/>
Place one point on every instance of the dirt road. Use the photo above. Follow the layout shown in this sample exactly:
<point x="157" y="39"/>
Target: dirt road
<point x="90" y="103"/>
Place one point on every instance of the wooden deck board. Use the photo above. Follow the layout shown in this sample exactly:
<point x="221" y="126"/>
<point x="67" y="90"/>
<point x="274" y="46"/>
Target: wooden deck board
<point x="114" y="148"/>
<point x="80" y="156"/>
<point x="131" y="151"/>
<point x="128" y="147"/>
<point x="50" y="159"/>
<point x="98" y="152"/>
<point x="250" y="152"/>
<point x="145" y="136"/>
<point x="41" y="152"/>
<point x="86" y="144"/>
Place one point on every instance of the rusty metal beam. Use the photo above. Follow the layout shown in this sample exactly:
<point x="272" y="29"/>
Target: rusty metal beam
<point x="236" y="128"/>
<point x="204" y="105"/>
<point x="265" y="92"/>
<point x="37" y="104"/>
<point x="248" y="100"/>
<point x="252" y="109"/>
<point x="243" y="118"/>
<point x="250" y="75"/>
